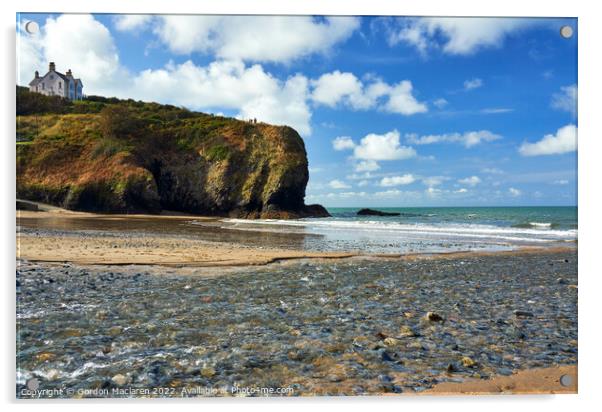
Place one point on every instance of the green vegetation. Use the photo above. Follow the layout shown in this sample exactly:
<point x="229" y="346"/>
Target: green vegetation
<point x="107" y="154"/>
<point x="218" y="153"/>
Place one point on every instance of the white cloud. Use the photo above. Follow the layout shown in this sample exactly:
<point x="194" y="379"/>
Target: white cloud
<point x="564" y="141"/>
<point x="397" y="180"/>
<point x="366" y="166"/>
<point x="383" y="147"/>
<point x="461" y="190"/>
<point x="392" y="193"/>
<point x="496" y="110"/>
<point x="455" y="35"/>
<point x="492" y="171"/>
<point x="473" y="84"/>
<point x="433" y="192"/>
<point x="514" y="192"/>
<point x="232" y="85"/>
<point x="440" y="103"/>
<point x="402" y="101"/>
<point x="565" y="100"/>
<point x="254" y="38"/>
<point x="432" y="181"/>
<point x="91" y="54"/>
<point x="468" y="139"/>
<point x="561" y="182"/>
<point x="131" y="22"/>
<point x="363" y="183"/>
<point x="470" y="181"/>
<point x="343" y="143"/>
<point x="344" y="88"/>
<point x="338" y="184"/>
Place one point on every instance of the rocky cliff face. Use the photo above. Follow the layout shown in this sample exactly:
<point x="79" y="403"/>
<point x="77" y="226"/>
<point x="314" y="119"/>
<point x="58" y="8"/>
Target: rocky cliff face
<point x="106" y="155"/>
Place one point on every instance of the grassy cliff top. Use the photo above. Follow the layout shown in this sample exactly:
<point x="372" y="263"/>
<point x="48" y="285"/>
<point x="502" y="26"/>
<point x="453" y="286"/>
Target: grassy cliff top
<point x="122" y="155"/>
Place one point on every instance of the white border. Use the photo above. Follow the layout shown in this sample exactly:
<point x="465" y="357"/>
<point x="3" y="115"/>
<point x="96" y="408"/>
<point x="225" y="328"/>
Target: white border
<point x="590" y="70"/>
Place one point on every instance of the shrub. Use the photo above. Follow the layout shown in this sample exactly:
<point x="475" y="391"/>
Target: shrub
<point x="218" y="153"/>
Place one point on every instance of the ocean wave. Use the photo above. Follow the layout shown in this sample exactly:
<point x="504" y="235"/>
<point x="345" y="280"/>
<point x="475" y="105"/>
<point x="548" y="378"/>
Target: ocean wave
<point x="473" y="230"/>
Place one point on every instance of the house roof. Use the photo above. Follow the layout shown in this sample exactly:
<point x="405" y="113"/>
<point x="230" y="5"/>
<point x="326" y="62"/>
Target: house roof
<point x="35" y="81"/>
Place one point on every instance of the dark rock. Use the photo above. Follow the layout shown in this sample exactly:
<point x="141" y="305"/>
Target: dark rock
<point x="562" y="281"/>
<point x="433" y="317"/>
<point x="371" y="212"/>
<point x="523" y="314"/>
<point x="24" y="205"/>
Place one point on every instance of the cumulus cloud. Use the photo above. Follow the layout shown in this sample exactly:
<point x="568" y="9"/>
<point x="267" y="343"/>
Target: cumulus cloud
<point x="279" y="39"/>
<point x="397" y="180"/>
<point x="566" y="99"/>
<point x="561" y="182"/>
<point x="366" y="166"/>
<point x="564" y="141"/>
<point x="343" y="143"/>
<point x="91" y="54"/>
<point x="468" y="139"/>
<point x="130" y="22"/>
<point x="470" y="181"/>
<point x="433" y="181"/>
<point x="344" y="88"/>
<point x="514" y="192"/>
<point x="455" y="35"/>
<point x="440" y="103"/>
<point x="383" y="147"/>
<point x="492" y="171"/>
<point x="461" y="190"/>
<point x="250" y="90"/>
<point x="338" y="184"/>
<point x="473" y="83"/>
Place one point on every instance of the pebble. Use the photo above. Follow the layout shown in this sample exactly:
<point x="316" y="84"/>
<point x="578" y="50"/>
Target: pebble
<point x="226" y="328"/>
<point x="120" y="379"/>
<point x="433" y="317"/>
<point x="523" y="314"/>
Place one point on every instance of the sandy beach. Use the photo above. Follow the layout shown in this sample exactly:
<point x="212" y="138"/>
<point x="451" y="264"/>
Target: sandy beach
<point x="322" y="322"/>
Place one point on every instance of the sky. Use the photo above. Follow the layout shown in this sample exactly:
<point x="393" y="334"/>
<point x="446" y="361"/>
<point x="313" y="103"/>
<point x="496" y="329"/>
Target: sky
<point x="394" y="111"/>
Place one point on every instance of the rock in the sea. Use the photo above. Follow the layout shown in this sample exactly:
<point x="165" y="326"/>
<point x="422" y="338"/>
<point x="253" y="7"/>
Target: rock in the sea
<point x="372" y="212"/>
<point x="468" y="362"/>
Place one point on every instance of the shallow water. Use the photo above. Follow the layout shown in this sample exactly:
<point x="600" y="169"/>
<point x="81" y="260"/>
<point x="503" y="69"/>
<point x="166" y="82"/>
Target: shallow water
<point x="315" y="328"/>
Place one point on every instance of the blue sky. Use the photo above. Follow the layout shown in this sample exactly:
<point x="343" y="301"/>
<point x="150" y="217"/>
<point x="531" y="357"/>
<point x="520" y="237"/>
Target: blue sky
<point x="393" y="111"/>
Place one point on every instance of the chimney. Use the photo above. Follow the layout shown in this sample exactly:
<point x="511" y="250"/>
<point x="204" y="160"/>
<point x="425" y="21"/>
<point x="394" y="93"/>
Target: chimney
<point x="51" y="67"/>
<point x="69" y="74"/>
<point x="37" y="74"/>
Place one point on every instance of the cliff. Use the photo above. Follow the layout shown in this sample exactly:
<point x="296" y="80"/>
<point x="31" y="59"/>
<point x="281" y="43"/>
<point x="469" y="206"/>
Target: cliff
<point x="110" y="155"/>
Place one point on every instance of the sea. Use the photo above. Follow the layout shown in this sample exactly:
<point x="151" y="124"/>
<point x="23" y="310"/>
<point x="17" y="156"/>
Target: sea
<point x="429" y="229"/>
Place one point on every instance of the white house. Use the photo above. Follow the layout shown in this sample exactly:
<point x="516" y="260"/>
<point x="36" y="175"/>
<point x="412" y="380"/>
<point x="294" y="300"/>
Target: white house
<point x="54" y="83"/>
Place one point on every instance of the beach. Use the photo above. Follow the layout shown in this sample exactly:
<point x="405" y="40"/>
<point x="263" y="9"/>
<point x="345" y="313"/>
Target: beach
<point x="113" y="302"/>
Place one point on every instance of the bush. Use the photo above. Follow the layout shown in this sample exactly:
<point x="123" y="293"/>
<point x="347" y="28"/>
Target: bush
<point x="119" y="121"/>
<point x="218" y="153"/>
<point x="32" y="103"/>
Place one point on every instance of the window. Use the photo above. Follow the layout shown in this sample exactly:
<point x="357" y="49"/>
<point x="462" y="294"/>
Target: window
<point x="51" y="76"/>
<point x="60" y="85"/>
<point x="43" y="86"/>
